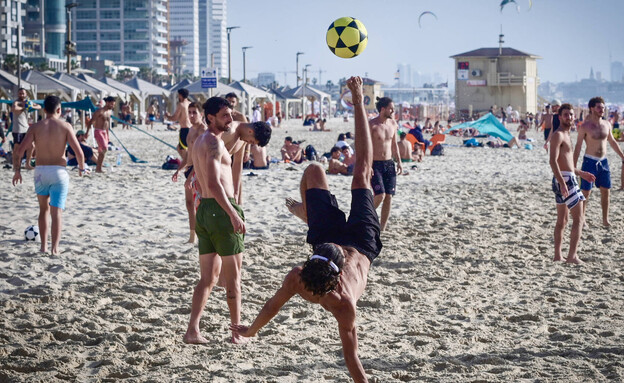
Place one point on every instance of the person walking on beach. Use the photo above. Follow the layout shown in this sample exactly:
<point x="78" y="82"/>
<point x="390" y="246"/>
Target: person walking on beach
<point x="51" y="135"/>
<point x="565" y="185"/>
<point x="101" y="122"/>
<point x="335" y="275"/>
<point x="385" y="148"/>
<point x="20" y="108"/>
<point x="596" y="132"/>
<point x="197" y="129"/>
<point x="551" y="121"/>
<point x="220" y="222"/>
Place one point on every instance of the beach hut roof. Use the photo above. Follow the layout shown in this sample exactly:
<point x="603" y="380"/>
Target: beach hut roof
<point x="250" y="90"/>
<point x="146" y="87"/>
<point x="282" y="94"/>
<point x="120" y="86"/>
<point x="101" y="85"/>
<point x="48" y="84"/>
<point x="309" y="91"/>
<point x="220" y="90"/>
<point x="7" y="80"/>
<point x="185" y="83"/>
<point x="494" y="52"/>
<point x="76" y="82"/>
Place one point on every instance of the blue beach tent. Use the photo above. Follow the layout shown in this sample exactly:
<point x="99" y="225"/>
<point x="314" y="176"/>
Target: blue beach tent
<point x="487" y="124"/>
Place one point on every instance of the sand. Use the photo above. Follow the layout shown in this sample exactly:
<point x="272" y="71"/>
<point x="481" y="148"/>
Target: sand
<point x="463" y="291"/>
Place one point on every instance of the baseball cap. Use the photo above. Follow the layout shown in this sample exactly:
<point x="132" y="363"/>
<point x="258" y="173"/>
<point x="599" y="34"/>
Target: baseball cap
<point x="555" y="102"/>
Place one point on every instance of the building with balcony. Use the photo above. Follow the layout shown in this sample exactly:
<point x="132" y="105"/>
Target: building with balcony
<point x="496" y="76"/>
<point x="128" y="32"/>
<point x="213" y="36"/>
<point x="11" y="15"/>
<point x="184" y="26"/>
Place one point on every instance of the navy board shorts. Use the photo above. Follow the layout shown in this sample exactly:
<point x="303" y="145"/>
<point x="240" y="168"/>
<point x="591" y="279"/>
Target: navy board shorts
<point x="384" y="177"/>
<point x="599" y="167"/>
<point x="574" y="193"/>
<point x="327" y="223"/>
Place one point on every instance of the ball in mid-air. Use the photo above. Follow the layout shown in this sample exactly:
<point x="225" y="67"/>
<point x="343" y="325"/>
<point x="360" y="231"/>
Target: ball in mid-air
<point x="347" y="37"/>
<point x="31" y="233"/>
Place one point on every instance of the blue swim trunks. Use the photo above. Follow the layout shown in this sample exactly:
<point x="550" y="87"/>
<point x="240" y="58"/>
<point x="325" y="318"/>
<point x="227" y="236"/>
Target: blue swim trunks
<point x="599" y="167"/>
<point x="574" y="193"/>
<point x="52" y="180"/>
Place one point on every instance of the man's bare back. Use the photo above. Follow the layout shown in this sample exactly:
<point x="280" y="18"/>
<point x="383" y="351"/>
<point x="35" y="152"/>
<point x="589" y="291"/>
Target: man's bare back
<point x="181" y="114"/>
<point x="51" y="136"/>
<point x="405" y="149"/>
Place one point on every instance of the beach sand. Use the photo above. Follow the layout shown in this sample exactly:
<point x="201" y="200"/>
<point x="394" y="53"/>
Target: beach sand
<point x="463" y="291"/>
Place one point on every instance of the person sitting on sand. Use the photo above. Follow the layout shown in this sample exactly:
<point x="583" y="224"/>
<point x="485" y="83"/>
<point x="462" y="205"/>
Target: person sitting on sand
<point x="405" y="148"/>
<point x="522" y="130"/>
<point x="89" y="155"/>
<point x="336" y="166"/>
<point x="348" y="157"/>
<point x="335" y="275"/>
<point x="341" y="143"/>
<point x="291" y="152"/>
<point x="259" y="158"/>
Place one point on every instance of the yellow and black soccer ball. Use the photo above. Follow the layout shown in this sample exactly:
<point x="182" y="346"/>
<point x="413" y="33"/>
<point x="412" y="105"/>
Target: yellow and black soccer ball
<point x="347" y="37"/>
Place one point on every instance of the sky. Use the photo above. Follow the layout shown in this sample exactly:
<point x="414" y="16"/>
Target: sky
<point x="570" y="36"/>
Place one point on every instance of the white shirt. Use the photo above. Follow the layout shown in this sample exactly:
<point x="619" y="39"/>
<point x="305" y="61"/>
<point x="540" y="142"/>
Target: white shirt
<point x="256" y="116"/>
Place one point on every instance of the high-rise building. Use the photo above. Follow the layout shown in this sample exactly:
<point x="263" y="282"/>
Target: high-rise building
<point x="617" y="71"/>
<point x="128" y="32"/>
<point x="184" y="25"/>
<point x="11" y="16"/>
<point x="216" y="36"/>
<point x="405" y="74"/>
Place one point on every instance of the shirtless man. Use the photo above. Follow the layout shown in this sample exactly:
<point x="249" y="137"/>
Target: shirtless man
<point x="291" y="152"/>
<point x="20" y="108"/>
<point x="181" y="117"/>
<point x="51" y="135"/>
<point x="551" y="121"/>
<point x="220" y="222"/>
<point x="568" y="197"/>
<point x="596" y="132"/>
<point x="405" y="148"/>
<point x="259" y="158"/>
<point x="336" y="166"/>
<point x="385" y="148"/>
<point x="335" y="276"/>
<point x="101" y="124"/>
<point x="197" y="129"/>
<point x="236" y="115"/>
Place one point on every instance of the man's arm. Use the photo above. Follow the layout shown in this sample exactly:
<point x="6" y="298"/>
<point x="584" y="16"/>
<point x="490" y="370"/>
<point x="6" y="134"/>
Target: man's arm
<point x="17" y="107"/>
<point x="237" y="174"/>
<point x="395" y="152"/>
<point x="213" y="169"/>
<point x="348" y="337"/>
<point x="555" y="147"/>
<point x="614" y="144"/>
<point x="176" y="114"/>
<point x="579" y="144"/>
<point x="272" y="306"/>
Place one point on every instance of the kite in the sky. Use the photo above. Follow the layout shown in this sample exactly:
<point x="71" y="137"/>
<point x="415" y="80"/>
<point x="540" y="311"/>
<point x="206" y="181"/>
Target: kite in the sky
<point x="530" y="4"/>
<point x="505" y="2"/>
<point x="426" y="13"/>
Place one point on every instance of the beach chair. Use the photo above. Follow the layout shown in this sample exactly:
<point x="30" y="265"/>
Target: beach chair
<point x="411" y="138"/>
<point x="437" y="139"/>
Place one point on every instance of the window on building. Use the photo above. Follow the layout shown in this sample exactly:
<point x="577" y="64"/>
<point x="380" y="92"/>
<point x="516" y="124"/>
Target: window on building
<point x="110" y="56"/>
<point x="136" y="14"/>
<point x="88" y="3"/>
<point x="86" y="36"/>
<point x="115" y="25"/>
<point x="133" y="4"/>
<point x="110" y="47"/>
<point x="133" y="56"/>
<point x="85" y="25"/>
<point x="133" y="47"/>
<point x="110" y="4"/>
<point x="86" y="47"/>
<point x="110" y="14"/>
<point x="130" y="35"/>
<point x="82" y="15"/>
<point x="110" y="36"/>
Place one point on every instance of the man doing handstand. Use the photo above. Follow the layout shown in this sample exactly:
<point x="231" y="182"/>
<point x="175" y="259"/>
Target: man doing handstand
<point x="335" y="276"/>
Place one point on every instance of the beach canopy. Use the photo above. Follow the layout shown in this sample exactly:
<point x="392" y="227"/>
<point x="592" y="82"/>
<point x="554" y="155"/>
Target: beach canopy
<point x="487" y="124"/>
<point x="84" y="104"/>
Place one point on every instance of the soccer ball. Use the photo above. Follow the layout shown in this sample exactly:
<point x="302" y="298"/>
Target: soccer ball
<point x="347" y="37"/>
<point x="31" y="233"/>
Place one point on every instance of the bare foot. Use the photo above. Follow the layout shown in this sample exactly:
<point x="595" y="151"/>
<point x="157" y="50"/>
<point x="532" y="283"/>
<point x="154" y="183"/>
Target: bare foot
<point x="575" y="260"/>
<point x="55" y="251"/>
<point x="99" y="171"/>
<point x="557" y="258"/>
<point x="606" y="223"/>
<point x="190" y="338"/>
<point x="239" y="339"/>
<point x="296" y="208"/>
<point x="28" y="167"/>
<point x="43" y="249"/>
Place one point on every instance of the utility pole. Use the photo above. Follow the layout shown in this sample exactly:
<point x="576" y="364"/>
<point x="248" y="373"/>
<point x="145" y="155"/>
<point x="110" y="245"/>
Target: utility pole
<point x="298" y="54"/>
<point x="229" y="30"/>
<point x="70" y="47"/>
<point x="19" y="55"/>
<point x="244" y="64"/>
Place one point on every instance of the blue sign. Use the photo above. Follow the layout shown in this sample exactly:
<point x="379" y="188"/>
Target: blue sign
<point x="209" y="78"/>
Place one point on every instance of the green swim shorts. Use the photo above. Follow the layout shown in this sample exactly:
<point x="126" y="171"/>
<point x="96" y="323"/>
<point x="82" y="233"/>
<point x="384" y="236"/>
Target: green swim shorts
<point x="406" y="160"/>
<point x="215" y="231"/>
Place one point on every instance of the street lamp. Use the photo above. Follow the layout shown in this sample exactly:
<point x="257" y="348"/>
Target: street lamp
<point x="229" y="30"/>
<point x="303" y="88"/>
<point x="298" y="53"/>
<point x="244" y="71"/>
<point x="70" y="47"/>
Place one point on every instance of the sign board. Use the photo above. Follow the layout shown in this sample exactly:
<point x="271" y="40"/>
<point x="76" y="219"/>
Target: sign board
<point x="462" y="74"/>
<point x="476" y="83"/>
<point x="209" y="78"/>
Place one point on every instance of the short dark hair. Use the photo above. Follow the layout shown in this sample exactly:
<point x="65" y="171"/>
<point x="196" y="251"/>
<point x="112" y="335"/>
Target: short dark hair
<point x="288" y="138"/>
<point x="183" y="92"/>
<point x="24" y="89"/>
<point x="595" y="100"/>
<point x="382" y="103"/>
<point x="402" y="135"/>
<point x="196" y="105"/>
<point x="111" y="98"/>
<point x="564" y="107"/>
<point x="51" y="103"/>
<point x="341" y="137"/>
<point x="214" y="105"/>
<point x="346" y="147"/>
<point x="317" y="275"/>
<point x="262" y="132"/>
<point x="231" y="95"/>
<point x="335" y="149"/>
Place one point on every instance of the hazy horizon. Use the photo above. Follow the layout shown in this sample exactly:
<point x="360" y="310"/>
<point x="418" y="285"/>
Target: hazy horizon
<point x="555" y="31"/>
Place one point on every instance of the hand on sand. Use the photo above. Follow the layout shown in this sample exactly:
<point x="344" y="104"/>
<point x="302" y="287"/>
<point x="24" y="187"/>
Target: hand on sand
<point x="296" y="208"/>
<point x="239" y="339"/>
<point x="241" y="331"/>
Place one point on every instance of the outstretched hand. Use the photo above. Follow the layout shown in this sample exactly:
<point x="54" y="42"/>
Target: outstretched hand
<point x="241" y="330"/>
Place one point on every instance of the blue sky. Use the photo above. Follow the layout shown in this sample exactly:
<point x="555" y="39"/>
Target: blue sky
<point x="571" y="36"/>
